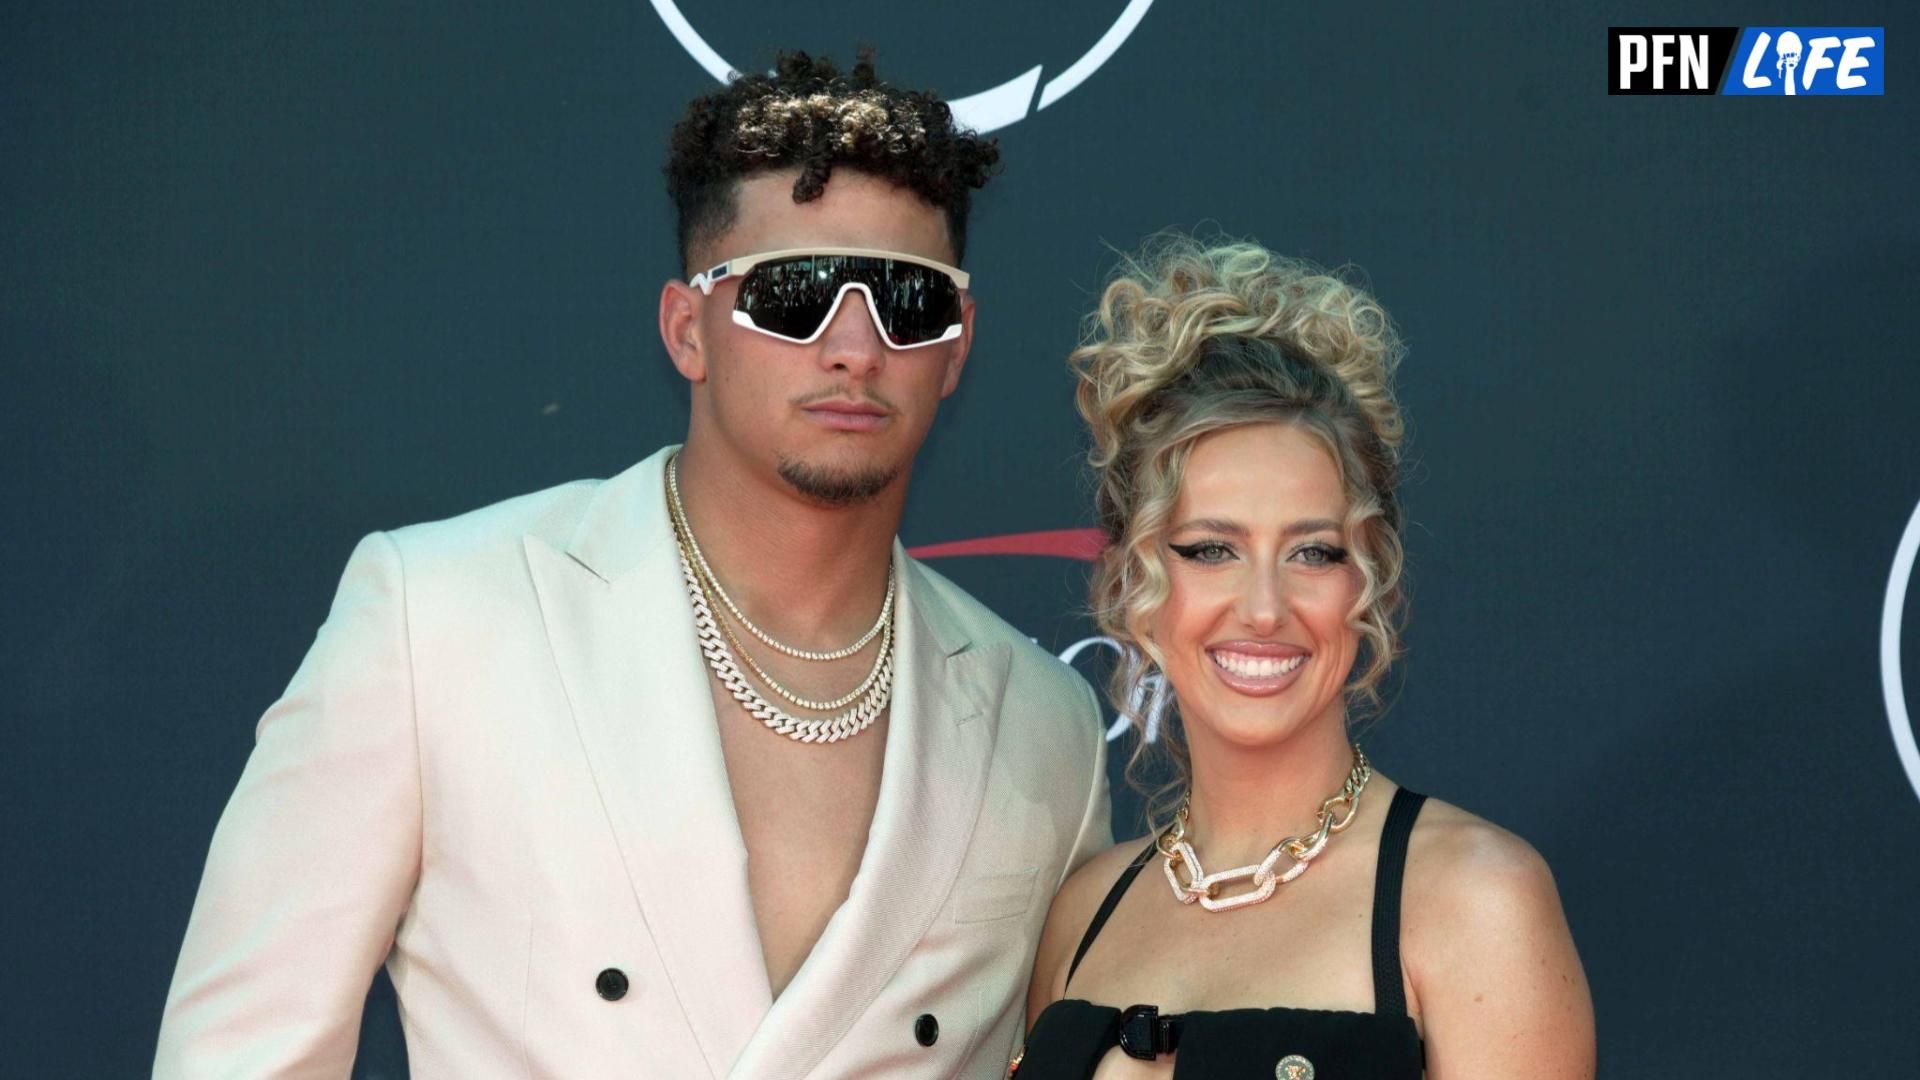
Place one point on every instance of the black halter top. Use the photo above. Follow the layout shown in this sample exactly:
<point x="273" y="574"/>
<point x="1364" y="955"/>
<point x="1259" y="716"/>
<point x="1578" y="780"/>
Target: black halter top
<point x="1071" y="1036"/>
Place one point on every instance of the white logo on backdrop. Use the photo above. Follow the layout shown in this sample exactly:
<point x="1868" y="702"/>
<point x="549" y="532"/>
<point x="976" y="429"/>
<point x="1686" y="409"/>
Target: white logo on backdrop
<point x="1891" y="616"/>
<point x="1149" y="698"/>
<point x="985" y="111"/>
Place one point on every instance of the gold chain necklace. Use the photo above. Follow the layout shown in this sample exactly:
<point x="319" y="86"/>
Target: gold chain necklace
<point x="710" y="586"/>
<point x="848" y="698"/>
<point x="1199" y="886"/>
<point x="713" y="580"/>
<point x="714" y="638"/>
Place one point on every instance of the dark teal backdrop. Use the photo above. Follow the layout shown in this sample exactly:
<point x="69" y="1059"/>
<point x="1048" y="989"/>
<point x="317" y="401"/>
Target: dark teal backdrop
<point x="277" y="275"/>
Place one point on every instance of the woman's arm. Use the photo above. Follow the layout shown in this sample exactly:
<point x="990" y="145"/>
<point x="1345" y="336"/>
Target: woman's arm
<point x="1496" y="979"/>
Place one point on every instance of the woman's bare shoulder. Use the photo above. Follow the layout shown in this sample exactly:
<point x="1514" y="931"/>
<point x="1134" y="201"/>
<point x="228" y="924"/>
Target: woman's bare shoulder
<point x="1456" y="855"/>
<point x="1080" y="895"/>
<point x="1088" y="885"/>
<point x="1495" y="975"/>
<point x="1073" y="909"/>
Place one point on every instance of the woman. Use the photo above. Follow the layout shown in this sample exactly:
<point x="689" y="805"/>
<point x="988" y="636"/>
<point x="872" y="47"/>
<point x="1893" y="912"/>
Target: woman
<point x="1246" y="443"/>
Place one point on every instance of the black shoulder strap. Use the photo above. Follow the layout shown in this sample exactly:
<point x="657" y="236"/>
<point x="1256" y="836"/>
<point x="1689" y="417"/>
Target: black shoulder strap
<point x="1106" y="908"/>
<point x="1389" y="993"/>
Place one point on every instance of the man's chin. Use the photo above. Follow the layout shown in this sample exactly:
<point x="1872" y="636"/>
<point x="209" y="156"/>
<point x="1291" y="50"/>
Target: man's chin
<point x="836" y="485"/>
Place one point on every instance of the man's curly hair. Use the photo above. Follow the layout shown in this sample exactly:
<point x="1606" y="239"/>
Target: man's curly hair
<point x="809" y="116"/>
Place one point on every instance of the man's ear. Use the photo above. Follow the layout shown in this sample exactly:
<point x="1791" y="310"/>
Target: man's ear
<point x="957" y="359"/>
<point x="680" y="329"/>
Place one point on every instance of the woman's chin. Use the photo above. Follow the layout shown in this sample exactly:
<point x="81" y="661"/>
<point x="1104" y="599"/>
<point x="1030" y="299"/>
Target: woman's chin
<point x="1259" y="724"/>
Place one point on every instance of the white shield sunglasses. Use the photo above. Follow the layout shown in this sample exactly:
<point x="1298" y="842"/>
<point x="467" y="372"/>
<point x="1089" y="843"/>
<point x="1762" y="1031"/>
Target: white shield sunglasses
<point x="794" y="294"/>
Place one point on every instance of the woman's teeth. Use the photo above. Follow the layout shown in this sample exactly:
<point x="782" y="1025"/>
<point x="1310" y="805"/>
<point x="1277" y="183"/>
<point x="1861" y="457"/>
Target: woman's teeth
<point x="1256" y="667"/>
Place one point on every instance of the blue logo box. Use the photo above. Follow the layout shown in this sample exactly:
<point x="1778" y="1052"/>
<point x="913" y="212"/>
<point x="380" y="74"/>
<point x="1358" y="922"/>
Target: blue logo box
<point x="1790" y="61"/>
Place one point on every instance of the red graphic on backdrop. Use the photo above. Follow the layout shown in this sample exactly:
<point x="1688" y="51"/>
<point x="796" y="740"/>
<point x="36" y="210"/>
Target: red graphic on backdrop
<point x="1082" y="544"/>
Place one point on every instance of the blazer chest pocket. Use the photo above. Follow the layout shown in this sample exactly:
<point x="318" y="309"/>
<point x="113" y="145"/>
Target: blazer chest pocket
<point x="993" y="896"/>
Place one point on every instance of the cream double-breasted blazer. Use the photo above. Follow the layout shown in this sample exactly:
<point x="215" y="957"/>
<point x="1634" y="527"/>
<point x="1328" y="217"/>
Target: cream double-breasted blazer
<point x="498" y="772"/>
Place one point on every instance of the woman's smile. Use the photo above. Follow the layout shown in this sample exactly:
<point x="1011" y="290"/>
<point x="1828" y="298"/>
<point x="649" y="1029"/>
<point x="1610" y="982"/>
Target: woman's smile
<point x="1258" y="669"/>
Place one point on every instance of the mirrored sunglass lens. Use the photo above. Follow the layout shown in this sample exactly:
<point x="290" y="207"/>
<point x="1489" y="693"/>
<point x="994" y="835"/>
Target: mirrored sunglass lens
<point x="793" y="297"/>
<point x="790" y="298"/>
<point x="917" y="303"/>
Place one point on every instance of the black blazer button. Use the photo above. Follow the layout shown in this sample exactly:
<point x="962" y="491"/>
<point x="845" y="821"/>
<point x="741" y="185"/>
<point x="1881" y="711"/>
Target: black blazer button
<point x="926" y="1029"/>
<point x="611" y="984"/>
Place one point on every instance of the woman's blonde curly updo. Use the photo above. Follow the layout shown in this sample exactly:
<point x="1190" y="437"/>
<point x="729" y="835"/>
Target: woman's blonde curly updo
<point x="1190" y="339"/>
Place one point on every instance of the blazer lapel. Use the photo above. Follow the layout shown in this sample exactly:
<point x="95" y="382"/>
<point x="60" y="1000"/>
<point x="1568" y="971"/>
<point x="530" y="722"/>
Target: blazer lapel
<point x="621" y="629"/>
<point x="945" y="714"/>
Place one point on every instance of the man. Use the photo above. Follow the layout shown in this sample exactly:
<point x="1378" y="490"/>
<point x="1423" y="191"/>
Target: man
<point x="691" y="772"/>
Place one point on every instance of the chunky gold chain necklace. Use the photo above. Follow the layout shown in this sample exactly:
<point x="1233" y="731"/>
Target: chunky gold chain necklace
<point x="1192" y="884"/>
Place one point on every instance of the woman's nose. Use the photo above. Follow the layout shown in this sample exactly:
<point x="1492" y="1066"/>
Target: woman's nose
<point x="1263" y="602"/>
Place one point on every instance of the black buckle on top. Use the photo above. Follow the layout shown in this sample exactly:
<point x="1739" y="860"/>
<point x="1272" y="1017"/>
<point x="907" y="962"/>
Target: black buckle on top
<point x="1145" y="1034"/>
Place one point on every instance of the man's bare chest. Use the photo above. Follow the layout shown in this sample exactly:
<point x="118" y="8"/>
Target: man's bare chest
<point x="804" y="812"/>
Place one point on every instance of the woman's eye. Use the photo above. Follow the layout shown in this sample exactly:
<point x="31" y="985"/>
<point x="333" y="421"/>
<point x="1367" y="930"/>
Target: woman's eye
<point x="1206" y="551"/>
<point x="1321" y="555"/>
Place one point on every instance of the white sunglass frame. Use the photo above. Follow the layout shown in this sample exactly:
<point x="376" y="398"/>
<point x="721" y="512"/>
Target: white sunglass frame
<point x="738" y="267"/>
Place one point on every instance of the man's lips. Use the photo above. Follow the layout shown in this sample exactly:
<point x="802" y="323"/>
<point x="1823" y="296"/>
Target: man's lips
<point x="858" y="408"/>
<point x="841" y="415"/>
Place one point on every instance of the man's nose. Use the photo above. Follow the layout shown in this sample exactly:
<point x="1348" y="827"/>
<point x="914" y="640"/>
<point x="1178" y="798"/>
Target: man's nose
<point x="851" y="343"/>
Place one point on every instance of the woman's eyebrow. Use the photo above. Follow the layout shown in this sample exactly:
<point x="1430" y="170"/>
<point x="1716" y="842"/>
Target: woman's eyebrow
<point x="1216" y="525"/>
<point x="1312" y="525"/>
<point x="1233" y="528"/>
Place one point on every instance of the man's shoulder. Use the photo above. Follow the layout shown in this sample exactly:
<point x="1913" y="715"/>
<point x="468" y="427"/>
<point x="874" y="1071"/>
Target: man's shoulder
<point x="601" y="523"/>
<point x="498" y="529"/>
